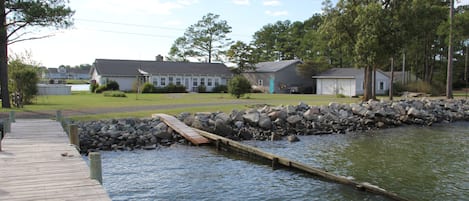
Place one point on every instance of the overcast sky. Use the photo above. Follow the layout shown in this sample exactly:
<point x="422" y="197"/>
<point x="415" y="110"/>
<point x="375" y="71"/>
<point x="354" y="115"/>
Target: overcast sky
<point x="142" y="29"/>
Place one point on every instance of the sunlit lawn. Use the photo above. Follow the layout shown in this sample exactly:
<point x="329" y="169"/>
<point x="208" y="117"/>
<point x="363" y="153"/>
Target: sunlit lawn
<point x="174" y="103"/>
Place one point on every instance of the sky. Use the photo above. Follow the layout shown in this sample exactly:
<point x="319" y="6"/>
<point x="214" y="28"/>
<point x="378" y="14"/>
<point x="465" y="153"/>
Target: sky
<point x="142" y="29"/>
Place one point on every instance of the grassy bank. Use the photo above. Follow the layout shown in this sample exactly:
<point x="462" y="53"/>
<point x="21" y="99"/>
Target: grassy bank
<point x="134" y="104"/>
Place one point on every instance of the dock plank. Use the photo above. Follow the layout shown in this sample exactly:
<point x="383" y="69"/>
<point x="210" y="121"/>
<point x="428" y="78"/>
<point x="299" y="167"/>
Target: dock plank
<point x="37" y="163"/>
<point x="184" y="130"/>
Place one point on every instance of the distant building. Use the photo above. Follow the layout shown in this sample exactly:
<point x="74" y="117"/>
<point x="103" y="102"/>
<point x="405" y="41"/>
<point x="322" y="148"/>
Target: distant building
<point x="348" y="81"/>
<point x="277" y="77"/>
<point x="63" y="73"/>
<point x="160" y="73"/>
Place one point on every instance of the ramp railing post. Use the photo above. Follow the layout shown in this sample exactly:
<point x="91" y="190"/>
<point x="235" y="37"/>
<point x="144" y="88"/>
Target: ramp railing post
<point x="12" y="116"/>
<point x="73" y="135"/>
<point x="95" y="166"/>
<point x="58" y="116"/>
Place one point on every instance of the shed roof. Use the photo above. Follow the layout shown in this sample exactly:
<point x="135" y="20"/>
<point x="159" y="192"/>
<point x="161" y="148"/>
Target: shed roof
<point x="115" y="67"/>
<point x="274" y="66"/>
<point x="344" y="73"/>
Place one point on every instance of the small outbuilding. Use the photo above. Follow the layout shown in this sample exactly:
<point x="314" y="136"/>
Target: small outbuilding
<point x="348" y="82"/>
<point x="278" y="77"/>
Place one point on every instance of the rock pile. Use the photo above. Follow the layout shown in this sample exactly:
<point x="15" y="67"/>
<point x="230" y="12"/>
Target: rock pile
<point x="272" y="123"/>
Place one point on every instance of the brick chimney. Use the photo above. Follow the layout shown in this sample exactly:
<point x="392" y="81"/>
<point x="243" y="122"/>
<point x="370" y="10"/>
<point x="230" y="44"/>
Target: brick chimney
<point x="159" y="57"/>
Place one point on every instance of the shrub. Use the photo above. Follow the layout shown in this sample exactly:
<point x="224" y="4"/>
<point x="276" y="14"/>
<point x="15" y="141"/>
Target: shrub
<point x="172" y="88"/>
<point x="112" y="85"/>
<point x="238" y="86"/>
<point x="114" y="94"/>
<point x="201" y="89"/>
<point x="340" y="96"/>
<point x="93" y="87"/>
<point x="100" y="89"/>
<point x="148" y="88"/>
<point x="220" y="89"/>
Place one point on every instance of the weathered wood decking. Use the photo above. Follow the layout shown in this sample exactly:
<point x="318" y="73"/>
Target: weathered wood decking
<point x="183" y="129"/>
<point x="37" y="163"/>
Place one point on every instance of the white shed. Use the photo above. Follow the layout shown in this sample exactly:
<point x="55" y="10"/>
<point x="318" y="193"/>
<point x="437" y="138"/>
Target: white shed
<point x="348" y="81"/>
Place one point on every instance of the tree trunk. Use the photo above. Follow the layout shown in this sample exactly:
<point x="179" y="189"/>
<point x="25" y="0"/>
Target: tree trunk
<point x="392" y="79"/>
<point x="367" y="83"/>
<point x="5" y="95"/>
<point x="449" y="73"/>
<point x="373" y="84"/>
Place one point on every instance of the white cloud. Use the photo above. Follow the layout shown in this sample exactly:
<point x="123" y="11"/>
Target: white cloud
<point x="276" y="13"/>
<point x="241" y="2"/>
<point x="272" y="3"/>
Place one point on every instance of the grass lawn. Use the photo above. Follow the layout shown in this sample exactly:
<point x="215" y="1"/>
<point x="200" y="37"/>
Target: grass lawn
<point x="170" y="103"/>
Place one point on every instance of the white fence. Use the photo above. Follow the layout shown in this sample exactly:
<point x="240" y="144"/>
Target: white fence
<point x="54" y="89"/>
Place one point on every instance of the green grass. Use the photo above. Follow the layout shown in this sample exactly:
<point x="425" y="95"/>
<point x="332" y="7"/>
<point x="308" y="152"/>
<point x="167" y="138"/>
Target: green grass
<point x="77" y="81"/>
<point x="173" y="103"/>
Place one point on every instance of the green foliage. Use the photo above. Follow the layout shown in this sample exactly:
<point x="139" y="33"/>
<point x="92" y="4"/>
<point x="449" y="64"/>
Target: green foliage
<point x="114" y="94"/>
<point x="435" y="89"/>
<point x="238" y="86"/>
<point x="220" y="89"/>
<point x="340" y="96"/>
<point x="23" y="81"/>
<point x="208" y="37"/>
<point x="241" y="54"/>
<point x="112" y="85"/>
<point x="93" y="87"/>
<point x="100" y="89"/>
<point x="148" y="88"/>
<point x="201" y="89"/>
<point x="172" y="88"/>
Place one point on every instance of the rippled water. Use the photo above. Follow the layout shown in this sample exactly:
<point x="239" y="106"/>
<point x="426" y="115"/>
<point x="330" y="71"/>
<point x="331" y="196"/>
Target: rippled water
<point x="417" y="163"/>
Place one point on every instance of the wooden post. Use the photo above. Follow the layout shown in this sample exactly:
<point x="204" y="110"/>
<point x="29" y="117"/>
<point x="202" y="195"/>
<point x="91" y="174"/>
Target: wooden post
<point x="218" y="144"/>
<point x="73" y="135"/>
<point x="275" y="163"/>
<point x="58" y="115"/>
<point x="95" y="166"/>
<point x="12" y="116"/>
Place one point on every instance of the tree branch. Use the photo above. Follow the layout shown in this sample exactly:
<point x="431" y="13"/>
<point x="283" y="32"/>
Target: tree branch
<point x="25" y="39"/>
<point x="17" y="29"/>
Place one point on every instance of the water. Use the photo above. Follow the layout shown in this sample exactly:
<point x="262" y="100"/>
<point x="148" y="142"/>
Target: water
<point x="79" y="87"/>
<point x="416" y="163"/>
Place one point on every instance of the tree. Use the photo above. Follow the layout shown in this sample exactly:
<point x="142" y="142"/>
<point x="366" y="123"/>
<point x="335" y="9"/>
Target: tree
<point x="180" y="50"/>
<point x="208" y="37"/>
<point x="241" y="54"/>
<point x="238" y="86"/>
<point x="16" y="16"/>
<point x="24" y="79"/>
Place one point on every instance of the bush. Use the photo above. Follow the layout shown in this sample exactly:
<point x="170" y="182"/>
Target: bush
<point x="112" y="85"/>
<point x="93" y="87"/>
<point x="148" y="88"/>
<point x="114" y="94"/>
<point x="340" y="96"/>
<point x="172" y="88"/>
<point x="100" y="89"/>
<point x="201" y="89"/>
<point x="220" y="89"/>
<point x="238" y="86"/>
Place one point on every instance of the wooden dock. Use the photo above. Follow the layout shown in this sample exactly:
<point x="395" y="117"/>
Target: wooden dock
<point x="37" y="163"/>
<point x="184" y="130"/>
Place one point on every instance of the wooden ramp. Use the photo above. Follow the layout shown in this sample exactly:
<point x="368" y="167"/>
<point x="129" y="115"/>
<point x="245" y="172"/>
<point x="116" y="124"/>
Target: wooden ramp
<point x="37" y="163"/>
<point x="186" y="131"/>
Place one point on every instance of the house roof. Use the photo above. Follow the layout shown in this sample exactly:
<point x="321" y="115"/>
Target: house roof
<point x="113" y="67"/>
<point x="343" y="73"/>
<point x="274" y="66"/>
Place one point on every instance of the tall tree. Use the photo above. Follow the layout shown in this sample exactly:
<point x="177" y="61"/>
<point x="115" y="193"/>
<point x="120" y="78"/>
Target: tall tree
<point x="241" y="54"/>
<point x="180" y="50"/>
<point x="16" y="16"/>
<point x="208" y="37"/>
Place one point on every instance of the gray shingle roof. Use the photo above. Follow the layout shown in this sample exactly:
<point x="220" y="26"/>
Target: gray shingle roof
<point x="341" y="72"/>
<point x="274" y="66"/>
<point x="114" y="67"/>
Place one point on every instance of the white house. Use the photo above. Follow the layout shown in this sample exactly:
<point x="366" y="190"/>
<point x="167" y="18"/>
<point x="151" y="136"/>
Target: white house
<point x="348" y="81"/>
<point x="160" y="73"/>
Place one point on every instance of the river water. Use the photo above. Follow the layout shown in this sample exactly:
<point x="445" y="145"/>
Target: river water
<point x="417" y="163"/>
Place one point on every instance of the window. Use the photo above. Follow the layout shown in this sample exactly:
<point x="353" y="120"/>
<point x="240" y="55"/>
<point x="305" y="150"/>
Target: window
<point x="170" y="80"/>
<point x="155" y="82"/>
<point x="260" y="82"/>
<point x="217" y="82"/>
<point x="209" y="82"/>
<point x="194" y="82"/>
<point x="163" y="81"/>
<point x="202" y="81"/>
<point x="381" y="85"/>
<point x="178" y="81"/>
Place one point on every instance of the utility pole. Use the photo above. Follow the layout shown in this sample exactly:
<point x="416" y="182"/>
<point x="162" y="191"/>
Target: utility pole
<point x="449" y="73"/>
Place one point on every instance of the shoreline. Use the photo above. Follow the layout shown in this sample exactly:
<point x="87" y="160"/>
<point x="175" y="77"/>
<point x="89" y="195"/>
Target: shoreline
<point x="272" y="122"/>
